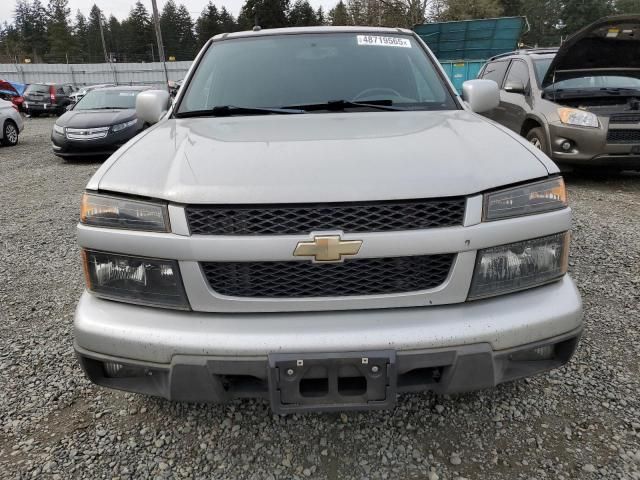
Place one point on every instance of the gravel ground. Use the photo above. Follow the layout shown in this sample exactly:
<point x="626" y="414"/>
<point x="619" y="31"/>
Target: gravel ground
<point x="581" y="421"/>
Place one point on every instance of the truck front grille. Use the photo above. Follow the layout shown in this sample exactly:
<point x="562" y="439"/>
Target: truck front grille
<point x="305" y="218"/>
<point x="297" y="279"/>
<point x="623" y="136"/>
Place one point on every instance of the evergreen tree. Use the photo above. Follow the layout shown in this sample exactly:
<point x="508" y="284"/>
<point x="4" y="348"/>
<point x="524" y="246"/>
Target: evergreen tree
<point x="227" y="21"/>
<point x="627" y="6"/>
<point x="543" y="17"/>
<point x="465" y="10"/>
<point x="576" y="14"/>
<point x="59" y="30"/>
<point x="186" y="38"/>
<point x="39" y="40"/>
<point x="169" y="27"/>
<point x="302" y="14"/>
<point x="320" y="16"/>
<point x="30" y="31"/>
<point x="267" y="14"/>
<point x="395" y="15"/>
<point x="339" y="15"/>
<point x="208" y="24"/>
<point x="80" y="31"/>
<point x="138" y="36"/>
<point x="94" y="49"/>
<point x="10" y="43"/>
<point x="115" y="45"/>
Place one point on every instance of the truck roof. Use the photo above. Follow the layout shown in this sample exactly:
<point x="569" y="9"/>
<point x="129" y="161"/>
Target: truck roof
<point x="303" y="30"/>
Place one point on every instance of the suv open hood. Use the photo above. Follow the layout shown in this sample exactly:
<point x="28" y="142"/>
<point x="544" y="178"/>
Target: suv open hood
<point x="611" y="44"/>
<point x="328" y="157"/>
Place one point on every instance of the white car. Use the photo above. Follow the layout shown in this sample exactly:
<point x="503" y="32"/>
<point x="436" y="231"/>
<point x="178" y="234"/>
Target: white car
<point x="321" y="220"/>
<point x="12" y="123"/>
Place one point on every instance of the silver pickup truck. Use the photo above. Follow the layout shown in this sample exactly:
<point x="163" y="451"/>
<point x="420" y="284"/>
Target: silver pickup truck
<point x="319" y="219"/>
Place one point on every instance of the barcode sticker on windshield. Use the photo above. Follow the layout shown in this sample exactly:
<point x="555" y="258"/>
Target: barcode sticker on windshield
<point x="377" y="40"/>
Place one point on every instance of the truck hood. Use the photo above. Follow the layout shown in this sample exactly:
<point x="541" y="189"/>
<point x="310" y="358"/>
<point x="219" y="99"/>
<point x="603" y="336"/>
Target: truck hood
<point x="330" y="157"/>
<point x="609" y="45"/>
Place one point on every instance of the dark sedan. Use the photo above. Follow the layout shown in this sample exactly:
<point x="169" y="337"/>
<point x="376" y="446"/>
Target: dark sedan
<point x="100" y="123"/>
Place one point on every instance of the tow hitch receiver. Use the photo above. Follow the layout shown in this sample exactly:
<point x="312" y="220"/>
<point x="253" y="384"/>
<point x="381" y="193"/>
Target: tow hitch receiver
<point x="332" y="381"/>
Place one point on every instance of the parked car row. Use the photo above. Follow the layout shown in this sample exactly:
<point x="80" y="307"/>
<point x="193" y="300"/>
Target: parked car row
<point x="94" y="121"/>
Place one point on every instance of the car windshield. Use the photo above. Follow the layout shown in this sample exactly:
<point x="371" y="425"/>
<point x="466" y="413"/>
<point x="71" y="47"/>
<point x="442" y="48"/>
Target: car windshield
<point x="108" y="99"/>
<point x="587" y="81"/>
<point x="279" y="71"/>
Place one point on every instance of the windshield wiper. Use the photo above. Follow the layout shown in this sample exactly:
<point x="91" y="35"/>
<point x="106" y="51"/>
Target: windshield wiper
<point x="228" y="110"/>
<point x="617" y="90"/>
<point x="340" y="105"/>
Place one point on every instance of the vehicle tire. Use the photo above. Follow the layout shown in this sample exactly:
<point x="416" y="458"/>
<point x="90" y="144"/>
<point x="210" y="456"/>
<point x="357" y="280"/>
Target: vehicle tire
<point x="10" y="134"/>
<point x="538" y="139"/>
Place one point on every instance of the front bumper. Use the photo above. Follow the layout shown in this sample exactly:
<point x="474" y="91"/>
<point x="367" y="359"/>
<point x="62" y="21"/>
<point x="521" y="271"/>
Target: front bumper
<point x="64" y="147"/>
<point x="191" y="356"/>
<point x="589" y="148"/>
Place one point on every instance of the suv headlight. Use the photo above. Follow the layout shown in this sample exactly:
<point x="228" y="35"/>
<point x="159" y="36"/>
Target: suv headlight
<point x="520" y="265"/>
<point x="122" y="126"/>
<point x="528" y="199"/>
<point x="580" y="118"/>
<point x="145" y="281"/>
<point x="58" y="129"/>
<point x="114" y="212"/>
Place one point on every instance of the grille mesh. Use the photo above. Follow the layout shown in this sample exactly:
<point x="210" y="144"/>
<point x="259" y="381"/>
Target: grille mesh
<point x="625" y="118"/>
<point x="305" y="218"/>
<point x="623" y="136"/>
<point x="369" y="276"/>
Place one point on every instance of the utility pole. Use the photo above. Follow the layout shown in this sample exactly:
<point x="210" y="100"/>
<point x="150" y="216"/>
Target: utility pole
<point x="156" y="22"/>
<point x="104" y="49"/>
<point x="104" y="45"/>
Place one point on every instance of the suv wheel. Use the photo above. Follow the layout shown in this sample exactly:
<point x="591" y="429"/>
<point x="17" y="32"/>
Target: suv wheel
<point x="536" y="137"/>
<point x="9" y="134"/>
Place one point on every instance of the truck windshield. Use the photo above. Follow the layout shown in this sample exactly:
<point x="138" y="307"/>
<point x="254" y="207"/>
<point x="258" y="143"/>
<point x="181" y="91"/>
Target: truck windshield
<point x="286" y="71"/>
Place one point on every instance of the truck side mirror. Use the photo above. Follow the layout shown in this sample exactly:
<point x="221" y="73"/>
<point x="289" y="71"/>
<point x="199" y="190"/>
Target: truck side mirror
<point x="151" y="105"/>
<point x="481" y="95"/>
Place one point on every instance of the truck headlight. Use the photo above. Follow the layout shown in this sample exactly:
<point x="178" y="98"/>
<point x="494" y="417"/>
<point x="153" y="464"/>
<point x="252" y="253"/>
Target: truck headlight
<point x="579" y="118"/>
<point x="114" y="212"/>
<point x="145" y="281"/>
<point x="526" y="199"/>
<point x="122" y="126"/>
<point x="520" y="265"/>
<point x="58" y="129"/>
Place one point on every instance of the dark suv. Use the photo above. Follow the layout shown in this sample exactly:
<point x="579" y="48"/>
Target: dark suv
<point x="580" y="104"/>
<point x="42" y="98"/>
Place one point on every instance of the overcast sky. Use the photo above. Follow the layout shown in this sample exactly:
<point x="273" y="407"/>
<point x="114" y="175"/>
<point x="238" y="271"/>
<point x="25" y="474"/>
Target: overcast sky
<point x="120" y="8"/>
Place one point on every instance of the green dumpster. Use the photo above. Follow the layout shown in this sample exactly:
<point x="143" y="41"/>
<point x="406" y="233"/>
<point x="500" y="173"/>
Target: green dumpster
<point x="462" y="47"/>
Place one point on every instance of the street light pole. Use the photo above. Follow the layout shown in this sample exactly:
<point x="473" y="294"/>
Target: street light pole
<point x="156" y="22"/>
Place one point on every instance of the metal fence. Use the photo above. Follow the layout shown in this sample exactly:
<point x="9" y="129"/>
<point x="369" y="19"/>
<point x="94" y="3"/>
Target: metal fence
<point x="81" y="74"/>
